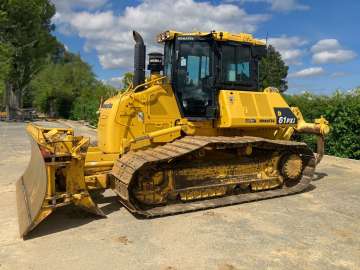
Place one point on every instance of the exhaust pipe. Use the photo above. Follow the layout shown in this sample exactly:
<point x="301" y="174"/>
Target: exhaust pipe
<point x="139" y="60"/>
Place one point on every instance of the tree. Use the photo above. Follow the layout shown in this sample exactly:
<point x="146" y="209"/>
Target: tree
<point x="5" y="52"/>
<point x="66" y="87"/>
<point x="342" y="110"/>
<point x="273" y="70"/>
<point x="5" y="62"/>
<point x="86" y="106"/>
<point x="60" y="83"/>
<point x="25" y="27"/>
<point x="127" y="80"/>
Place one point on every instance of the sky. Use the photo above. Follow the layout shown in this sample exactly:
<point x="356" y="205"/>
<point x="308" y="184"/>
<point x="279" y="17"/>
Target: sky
<point x="318" y="40"/>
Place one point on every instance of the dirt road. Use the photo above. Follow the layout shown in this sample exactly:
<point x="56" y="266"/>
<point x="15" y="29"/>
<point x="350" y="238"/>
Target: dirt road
<point x="318" y="229"/>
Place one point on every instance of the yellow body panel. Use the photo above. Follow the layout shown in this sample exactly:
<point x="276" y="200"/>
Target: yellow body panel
<point x="130" y="117"/>
<point x="219" y="36"/>
<point x="244" y="109"/>
<point x="134" y="120"/>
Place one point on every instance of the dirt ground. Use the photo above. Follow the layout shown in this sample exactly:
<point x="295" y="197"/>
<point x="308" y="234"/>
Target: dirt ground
<point x="317" y="229"/>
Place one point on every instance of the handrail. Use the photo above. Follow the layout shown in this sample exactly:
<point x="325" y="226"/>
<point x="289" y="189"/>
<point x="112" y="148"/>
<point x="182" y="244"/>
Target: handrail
<point x="149" y="82"/>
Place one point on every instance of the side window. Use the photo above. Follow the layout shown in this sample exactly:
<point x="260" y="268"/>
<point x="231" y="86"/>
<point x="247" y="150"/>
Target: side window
<point x="235" y="63"/>
<point x="168" y="59"/>
<point x="243" y="62"/>
<point x="228" y="64"/>
<point x="244" y="70"/>
<point x="205" y="70"/>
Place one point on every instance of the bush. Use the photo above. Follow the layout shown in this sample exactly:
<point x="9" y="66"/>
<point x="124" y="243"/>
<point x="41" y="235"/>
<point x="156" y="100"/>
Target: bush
<point x="86" y="106"/>
<point x="342" y="110"/>
<point x="67" y="88"/>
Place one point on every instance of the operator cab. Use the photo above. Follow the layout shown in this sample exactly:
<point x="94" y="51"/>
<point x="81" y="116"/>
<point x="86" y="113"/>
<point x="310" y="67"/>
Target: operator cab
<point x="198" y="65"/>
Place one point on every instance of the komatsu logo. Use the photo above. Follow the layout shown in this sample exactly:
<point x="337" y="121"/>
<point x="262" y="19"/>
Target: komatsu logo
<point x="186" y="38"/>
<point x="106" y="106"/>
<point x="284" y="116"/>
<point x="267" y="120"/>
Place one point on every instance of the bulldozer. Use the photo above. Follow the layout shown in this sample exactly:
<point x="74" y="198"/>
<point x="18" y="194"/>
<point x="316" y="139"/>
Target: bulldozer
<point x="197" y="131"/>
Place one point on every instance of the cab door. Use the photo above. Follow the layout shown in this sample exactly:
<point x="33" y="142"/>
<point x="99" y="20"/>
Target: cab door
<point x="193" y="78"/>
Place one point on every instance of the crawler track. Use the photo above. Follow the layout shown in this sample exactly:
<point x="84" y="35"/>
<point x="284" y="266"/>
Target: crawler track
<point x="126" y="167"/>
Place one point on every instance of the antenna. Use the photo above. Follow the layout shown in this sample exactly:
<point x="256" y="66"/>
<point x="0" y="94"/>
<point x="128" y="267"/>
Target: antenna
<point x="266" y="44"/>
<point x="266" y="40"/>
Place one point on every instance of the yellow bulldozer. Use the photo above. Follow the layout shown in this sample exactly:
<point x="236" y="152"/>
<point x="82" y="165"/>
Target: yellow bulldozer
<point x="198" y="132"/>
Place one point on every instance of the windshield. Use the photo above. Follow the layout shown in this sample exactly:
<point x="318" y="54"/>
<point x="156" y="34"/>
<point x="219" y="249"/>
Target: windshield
<point x="193" y="71"/>
<point x="236" y="62"/>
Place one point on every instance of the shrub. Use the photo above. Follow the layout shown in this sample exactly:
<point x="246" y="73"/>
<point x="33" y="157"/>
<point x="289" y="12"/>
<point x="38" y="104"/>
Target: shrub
<point x="342" y="110"/>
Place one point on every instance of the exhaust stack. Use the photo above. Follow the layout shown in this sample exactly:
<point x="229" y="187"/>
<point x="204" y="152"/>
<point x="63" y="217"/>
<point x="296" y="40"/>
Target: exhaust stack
<point x="139" y="60"/>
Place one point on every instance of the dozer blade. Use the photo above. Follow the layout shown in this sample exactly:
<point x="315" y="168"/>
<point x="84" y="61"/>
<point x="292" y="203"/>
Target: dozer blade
<point x="31" y="191"/>
<point x="54" y="176"/>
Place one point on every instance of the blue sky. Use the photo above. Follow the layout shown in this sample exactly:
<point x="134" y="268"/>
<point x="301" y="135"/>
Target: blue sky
<point x="317" y="39"/>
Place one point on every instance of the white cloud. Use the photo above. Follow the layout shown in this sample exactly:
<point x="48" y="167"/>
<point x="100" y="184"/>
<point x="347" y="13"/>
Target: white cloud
<point x="65" y="10"/>
<point x="290" y="48"/>
<point x="93" y="22"/>
<point x="67" y="5"/>
<point x="307" y="72"/>
<point x="339" y="74"/>
<point x="278" y="5"/>
<point x="330" y="51"/>
<point x="287" y="5"/>
<point x="338" y="56"/>
<point x="110" y="35"/>
<point x="114" y="81"/>
<point x="325" y="44"/>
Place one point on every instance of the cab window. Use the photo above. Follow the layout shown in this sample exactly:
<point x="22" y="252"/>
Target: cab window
<point x="236" y="64"/>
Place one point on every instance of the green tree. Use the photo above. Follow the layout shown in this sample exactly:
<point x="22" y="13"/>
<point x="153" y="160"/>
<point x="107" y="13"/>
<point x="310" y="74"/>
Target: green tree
<point x="342" y="110"/>
<point x="60" y="83"/>
<point x="25" y="27"/>
<point x="86" y="106"/>
<point x="5" y="62"/>
<point x="5" y="52"/>
<point x="127" y="80"/>
<point x="273" y="70"/>
<point x="67" y="88"/>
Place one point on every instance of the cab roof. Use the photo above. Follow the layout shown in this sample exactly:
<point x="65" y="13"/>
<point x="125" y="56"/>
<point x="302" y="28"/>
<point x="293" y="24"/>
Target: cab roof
<point x="219" y="36"/>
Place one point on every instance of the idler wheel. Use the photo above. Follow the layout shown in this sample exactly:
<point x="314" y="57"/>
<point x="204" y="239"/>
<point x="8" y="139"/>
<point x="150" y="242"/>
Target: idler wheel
<point x="291" y="166"/>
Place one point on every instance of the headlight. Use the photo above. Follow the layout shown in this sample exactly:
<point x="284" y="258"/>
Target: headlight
<point x="163" y="36"/>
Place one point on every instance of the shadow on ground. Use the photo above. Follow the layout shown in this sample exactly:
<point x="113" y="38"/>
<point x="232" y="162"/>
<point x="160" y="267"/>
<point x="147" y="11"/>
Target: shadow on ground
<point x="318" y="176"/>
<point x="70" y="216"/>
